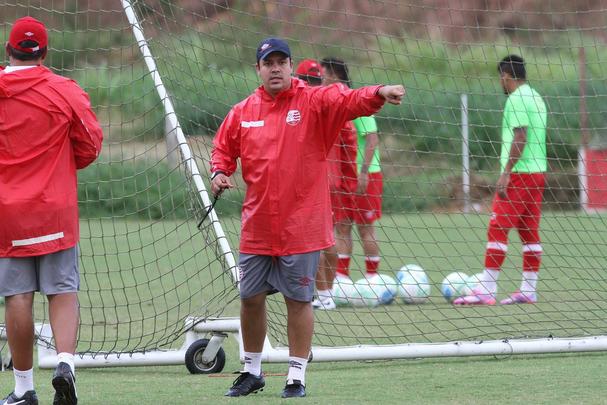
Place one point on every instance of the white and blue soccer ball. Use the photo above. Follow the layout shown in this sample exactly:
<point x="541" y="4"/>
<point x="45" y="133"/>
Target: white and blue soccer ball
<point x="364" y="294"/>
<point x="385" y="288"/>
<point x="343" y="291"/>
<point x="414" y="286"/>
<point x="454" y="285"/>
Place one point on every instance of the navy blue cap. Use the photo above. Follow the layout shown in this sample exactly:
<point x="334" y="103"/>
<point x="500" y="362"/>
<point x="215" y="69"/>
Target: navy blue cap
<point x="269" y="45"/>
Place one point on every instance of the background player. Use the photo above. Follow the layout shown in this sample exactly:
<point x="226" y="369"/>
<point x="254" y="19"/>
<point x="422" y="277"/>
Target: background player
<point x="48" y="131"/>
<point x="520" y="188"/>
<point x="342" y="183"/>
<point x="368" y="199"/>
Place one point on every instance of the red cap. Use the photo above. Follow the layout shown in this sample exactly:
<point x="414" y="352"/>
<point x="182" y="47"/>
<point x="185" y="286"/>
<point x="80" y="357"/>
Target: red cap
<point x="308" y="67"/>
<point x="28" y="29"/>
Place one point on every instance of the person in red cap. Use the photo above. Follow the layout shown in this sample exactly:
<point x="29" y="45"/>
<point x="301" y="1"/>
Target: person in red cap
<point x="369" y="185"/>
<point x="47" y="132"/>
<point x="342" y="183"/>
<point x="308" y="70"/>
<point x="282" y="134"/>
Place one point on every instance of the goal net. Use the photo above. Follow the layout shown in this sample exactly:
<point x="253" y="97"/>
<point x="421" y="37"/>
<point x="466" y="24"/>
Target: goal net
<point x="146" y="266"/>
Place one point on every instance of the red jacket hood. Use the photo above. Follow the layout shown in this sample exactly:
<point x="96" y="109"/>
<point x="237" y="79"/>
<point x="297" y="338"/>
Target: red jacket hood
<point x="18" y="81"/>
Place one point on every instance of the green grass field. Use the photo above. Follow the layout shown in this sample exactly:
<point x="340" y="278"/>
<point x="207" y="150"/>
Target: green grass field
<point x="546" y="379"/>
<point x="140" y="279"/>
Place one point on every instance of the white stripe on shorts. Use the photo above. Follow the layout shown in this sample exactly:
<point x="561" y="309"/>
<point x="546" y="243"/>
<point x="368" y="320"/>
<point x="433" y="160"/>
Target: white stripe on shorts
<point x="39" y="239"/>
<point x="497" y="246"/>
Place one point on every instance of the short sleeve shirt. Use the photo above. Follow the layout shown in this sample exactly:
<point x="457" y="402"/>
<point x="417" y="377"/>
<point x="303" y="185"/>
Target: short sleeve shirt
<point x="525" y="108"/>
<point x="364" y="126"/>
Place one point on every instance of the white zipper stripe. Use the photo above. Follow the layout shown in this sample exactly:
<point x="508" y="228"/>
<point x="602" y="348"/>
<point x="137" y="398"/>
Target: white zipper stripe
<point x="252" y="124"/>
<point x="39" y="239"/>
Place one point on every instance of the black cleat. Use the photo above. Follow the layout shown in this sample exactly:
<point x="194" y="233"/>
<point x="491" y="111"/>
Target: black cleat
<point x="29" y="398"/>
<point x="245" y="384"/>
<point x="294" y="390"/>
<point x="64" y="383"/>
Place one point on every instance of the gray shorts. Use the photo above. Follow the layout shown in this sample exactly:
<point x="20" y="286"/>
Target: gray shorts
<point x="292" y="275"/>
<point x="53" y="273"/>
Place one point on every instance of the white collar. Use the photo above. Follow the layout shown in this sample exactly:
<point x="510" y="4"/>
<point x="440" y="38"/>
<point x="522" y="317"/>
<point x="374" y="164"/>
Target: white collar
<point x="10" y="69"/>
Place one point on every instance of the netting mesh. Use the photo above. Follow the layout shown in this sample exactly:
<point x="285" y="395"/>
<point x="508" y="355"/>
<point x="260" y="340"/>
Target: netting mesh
<point x="146" y="266"/>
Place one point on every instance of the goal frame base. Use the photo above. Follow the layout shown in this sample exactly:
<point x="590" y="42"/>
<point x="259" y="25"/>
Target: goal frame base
<point x="218" y="329"/>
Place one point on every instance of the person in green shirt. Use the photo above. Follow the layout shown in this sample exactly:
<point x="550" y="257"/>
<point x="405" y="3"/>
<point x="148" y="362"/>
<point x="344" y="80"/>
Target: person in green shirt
<point x="366" y="209"/>
<point x="519" y="190"/>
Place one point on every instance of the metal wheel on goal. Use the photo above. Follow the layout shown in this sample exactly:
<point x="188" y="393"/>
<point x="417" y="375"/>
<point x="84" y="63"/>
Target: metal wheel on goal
<point x="197" y="364"/>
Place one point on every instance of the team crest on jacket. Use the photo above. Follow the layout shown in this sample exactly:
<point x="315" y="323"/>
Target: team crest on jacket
<point x="293" y="117"/>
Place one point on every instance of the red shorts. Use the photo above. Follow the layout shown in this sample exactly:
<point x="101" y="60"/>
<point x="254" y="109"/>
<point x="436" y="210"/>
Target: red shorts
<point x="523" y="208"/>
<point x="342" y="203"/>
<point x="368" y="205"/>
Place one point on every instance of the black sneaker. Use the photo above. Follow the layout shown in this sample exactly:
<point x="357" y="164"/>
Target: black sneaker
<point x="294" y="390"/>
<point x="245" y="384"/>
<point x="64" y="383"/>
<point x="29" y="398"/>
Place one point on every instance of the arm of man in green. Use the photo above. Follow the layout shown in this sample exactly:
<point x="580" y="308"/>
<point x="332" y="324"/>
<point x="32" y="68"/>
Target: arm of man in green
<point x="368" y="155"/>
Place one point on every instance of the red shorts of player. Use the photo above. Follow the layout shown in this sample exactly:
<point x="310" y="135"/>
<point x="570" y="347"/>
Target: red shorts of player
<point x="342" y="203"/>
<point x="523" y="208"/>
<point x="368" y="205"/>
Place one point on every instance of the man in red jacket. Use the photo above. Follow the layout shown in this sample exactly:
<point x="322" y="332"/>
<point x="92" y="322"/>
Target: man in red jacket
<point x="282" y="134"/>
<point x="47" y="132"/>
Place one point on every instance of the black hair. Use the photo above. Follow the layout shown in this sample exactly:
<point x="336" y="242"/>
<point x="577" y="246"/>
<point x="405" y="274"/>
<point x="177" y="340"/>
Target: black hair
<point x="311" y="80"/>
<point x="339" y="68"/>
<point x="514" y="65"/>
<point x="25" y="56"/>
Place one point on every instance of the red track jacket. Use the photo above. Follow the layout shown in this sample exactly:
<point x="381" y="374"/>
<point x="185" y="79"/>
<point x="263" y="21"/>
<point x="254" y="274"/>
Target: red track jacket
<point x="47" y="131"/>
<point x="283" y="145"/>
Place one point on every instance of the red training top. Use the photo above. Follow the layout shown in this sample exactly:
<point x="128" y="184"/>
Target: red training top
<point x="342" y="161"/>
<point x="283" y="144"/>
<point x="47" y="131"/>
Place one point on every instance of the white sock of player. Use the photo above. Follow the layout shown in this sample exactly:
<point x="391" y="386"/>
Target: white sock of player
<point x="252" y="363"/>
<point x="488" y="284"/>
<point x="24" y="381"/>
<point x="297" y="370"/>
<point x="67" y="358"/>
<point x="529" y="284"/>
<point x="324" y="294"/>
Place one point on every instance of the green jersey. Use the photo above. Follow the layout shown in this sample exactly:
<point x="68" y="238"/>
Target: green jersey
<point x="364" y="126"/>
<point x="525" y="109"/>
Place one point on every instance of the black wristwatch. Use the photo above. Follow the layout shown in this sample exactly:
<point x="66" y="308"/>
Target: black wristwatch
<point x="215" y="174"/>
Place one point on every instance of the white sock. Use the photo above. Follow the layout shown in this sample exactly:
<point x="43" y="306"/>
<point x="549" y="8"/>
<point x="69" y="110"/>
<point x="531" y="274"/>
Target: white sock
<point x="252" y="363"/>
<point x="488" y="284"/>
<point x="24" y="381"/>
<point x="529" y="284"/>
<point x="297" y="370"/>
<point x="67" y="358"/>
<point x="324" y="294"/>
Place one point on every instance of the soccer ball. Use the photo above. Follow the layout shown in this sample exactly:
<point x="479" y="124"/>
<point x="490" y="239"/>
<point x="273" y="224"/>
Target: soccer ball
<point x="472" y="283"/>
<point x="364" y="295"/>
<point x="414" y="286"/>
<point x="453" y="285"/>
<point x="343" y="291"/>
<point x="384" y="287"/>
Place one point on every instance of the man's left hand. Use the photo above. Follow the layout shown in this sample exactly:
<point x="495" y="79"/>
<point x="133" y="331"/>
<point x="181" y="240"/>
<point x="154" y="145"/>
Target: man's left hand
<point x="362" y="183"/>
<point x="502" y="185"/>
